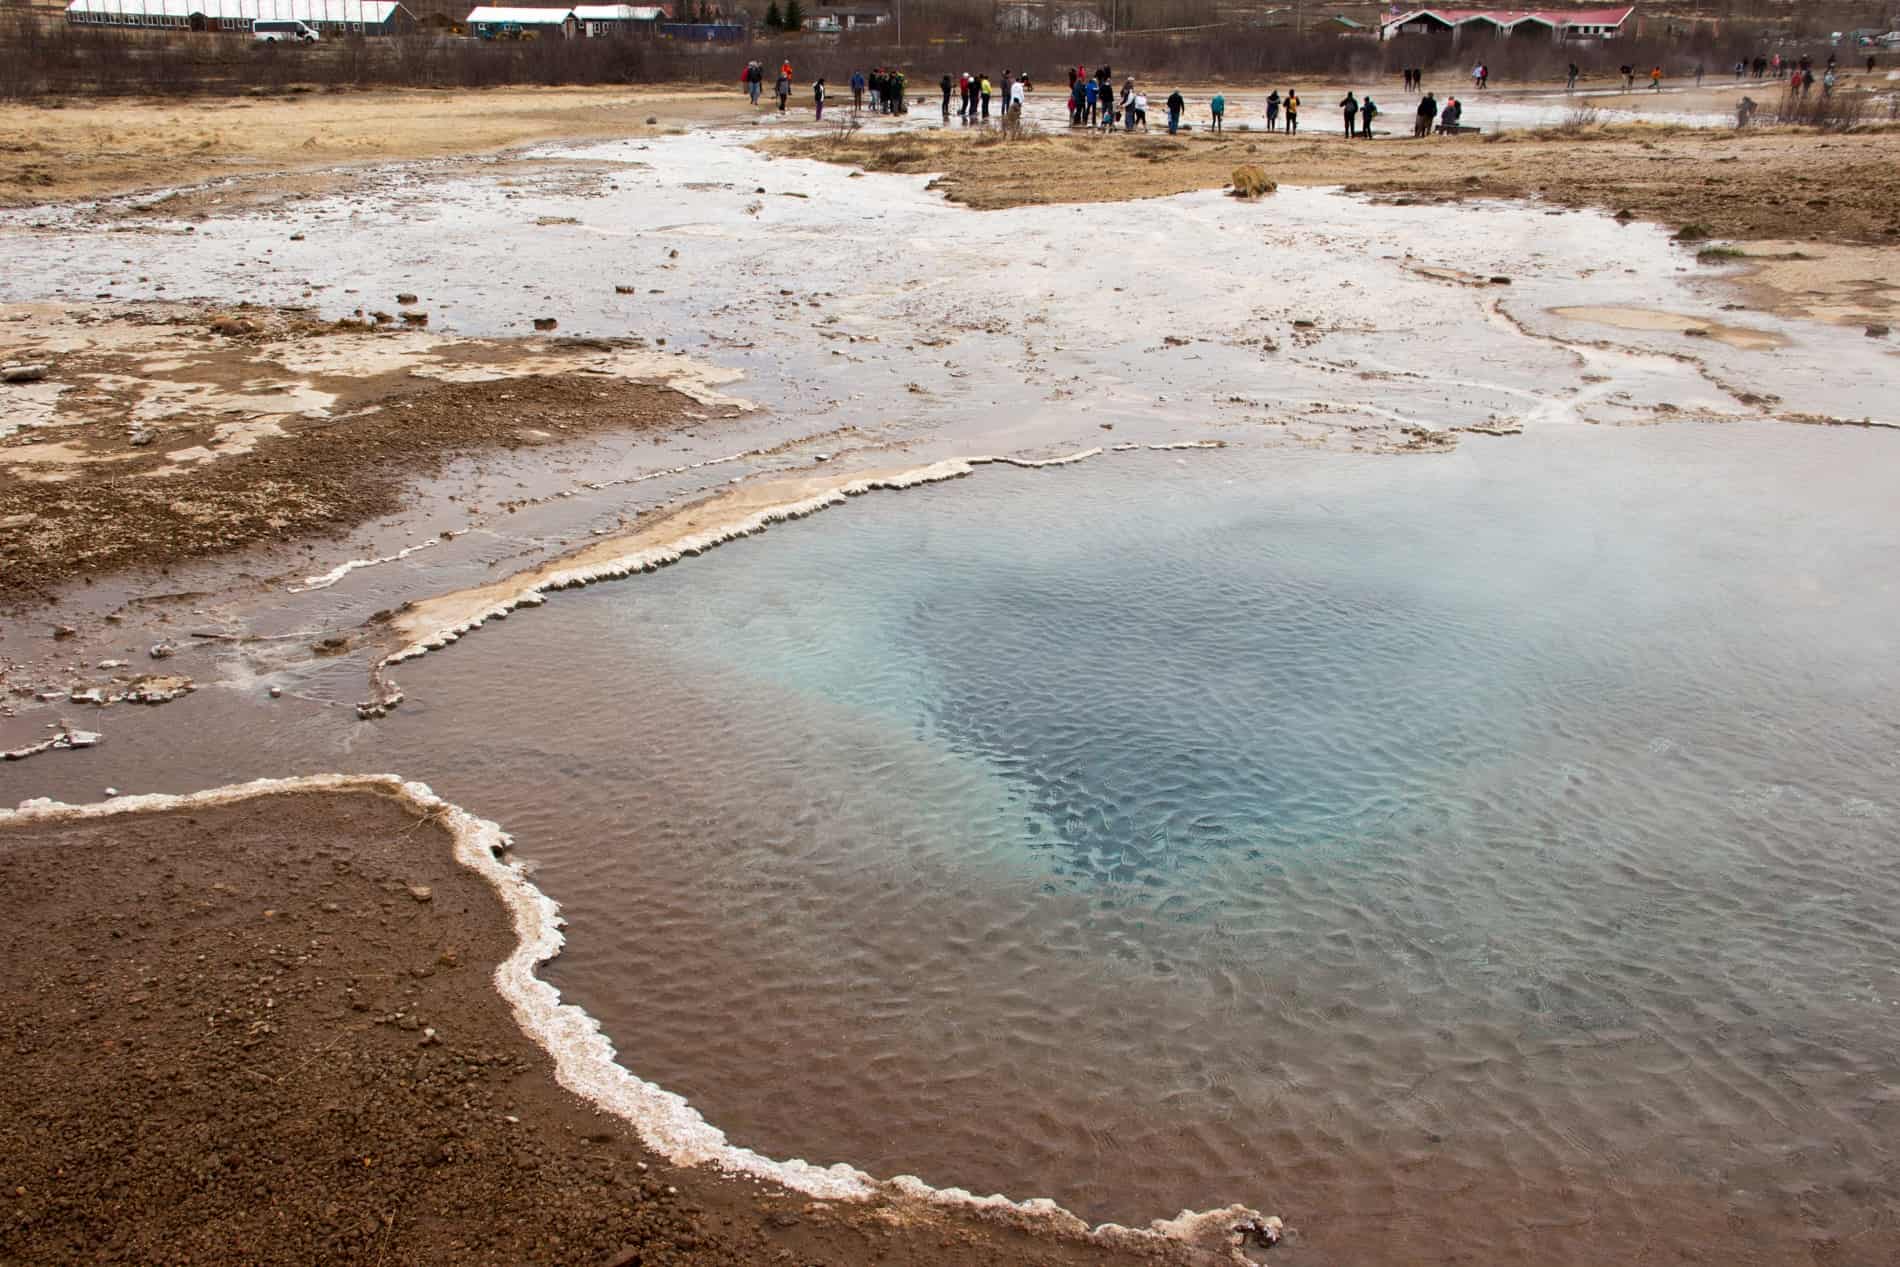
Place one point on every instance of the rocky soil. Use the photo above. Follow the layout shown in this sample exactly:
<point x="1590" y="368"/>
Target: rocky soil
<point x="265" y="1033"/>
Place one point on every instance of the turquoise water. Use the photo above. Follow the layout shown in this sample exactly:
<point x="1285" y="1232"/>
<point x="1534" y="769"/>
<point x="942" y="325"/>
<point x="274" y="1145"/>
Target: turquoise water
<point x="1488" y="854"/>
<point x="1473" y="847"/>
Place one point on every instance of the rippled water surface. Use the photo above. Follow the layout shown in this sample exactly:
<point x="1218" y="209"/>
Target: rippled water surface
<point x="1488" y="854"/>
<point x="1494" y="850"/>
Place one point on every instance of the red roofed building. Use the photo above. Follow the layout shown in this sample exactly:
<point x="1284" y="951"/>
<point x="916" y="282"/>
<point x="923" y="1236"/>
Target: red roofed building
<point x="1555" y="24"/>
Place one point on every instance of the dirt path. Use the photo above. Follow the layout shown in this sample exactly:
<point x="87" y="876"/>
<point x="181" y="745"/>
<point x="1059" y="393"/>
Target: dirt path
<point x="266" y="1032"/>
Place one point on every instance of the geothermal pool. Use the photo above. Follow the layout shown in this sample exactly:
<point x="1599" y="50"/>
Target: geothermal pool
<point x="1489" y="849"/>
<point x="1468" y="853"/>
<point x="1481" y="853"/>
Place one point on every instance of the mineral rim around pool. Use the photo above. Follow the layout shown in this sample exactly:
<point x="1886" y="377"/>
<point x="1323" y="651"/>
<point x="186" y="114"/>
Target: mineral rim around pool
<point x="1456" y="814"/>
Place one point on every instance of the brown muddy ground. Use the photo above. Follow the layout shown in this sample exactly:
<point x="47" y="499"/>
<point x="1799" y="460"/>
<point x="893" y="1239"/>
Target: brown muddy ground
<point x="1779" y="183"/>
<point x="265" y="1033"/>
<point x="166" y="433"/>
<point x="298" y="141"/>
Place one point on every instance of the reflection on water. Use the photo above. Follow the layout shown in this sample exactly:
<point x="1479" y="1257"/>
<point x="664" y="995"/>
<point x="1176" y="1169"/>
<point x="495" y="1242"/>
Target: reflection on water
<point x="1484" y="854"/>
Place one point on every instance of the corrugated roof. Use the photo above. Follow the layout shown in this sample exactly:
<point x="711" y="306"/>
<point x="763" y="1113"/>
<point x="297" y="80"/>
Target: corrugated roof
<point x="520" y="17"/>
<point x="618" y="13"/>
<point x="370" y="11"/>
<point x="1511" y="17"/>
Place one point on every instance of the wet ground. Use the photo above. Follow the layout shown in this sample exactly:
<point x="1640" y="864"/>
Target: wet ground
<point x="1334" y="344"/>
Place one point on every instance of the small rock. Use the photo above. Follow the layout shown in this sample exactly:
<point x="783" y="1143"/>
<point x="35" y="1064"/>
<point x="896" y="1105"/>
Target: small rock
<point x="422" y="893"/>
<point x="1500" y="280"/>
<point x="296" y="237"/>
<point x="652" y="119"/>
<point x="673" y="254"/>
<point x="415" y="318"/>
<point x="64" y="631"/>
<point x="139" y="438"/>
<point x="112" y="791"/>
<point x="1878" y="331"/>
<point x="623" y="290"/>
<point x="545" y="323"/>
<point x="405" y="298"/>
<point x="163" y="651"/>
<point x="24" y="373"/>
<point x="380" y="318"/>
<point x="276" y="692"/>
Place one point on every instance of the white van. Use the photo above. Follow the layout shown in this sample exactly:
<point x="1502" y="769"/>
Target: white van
<point x="277" y="30"/>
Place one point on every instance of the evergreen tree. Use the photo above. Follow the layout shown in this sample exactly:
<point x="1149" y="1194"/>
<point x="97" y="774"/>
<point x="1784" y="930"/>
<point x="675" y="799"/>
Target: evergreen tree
<point x="794" y="16"/>
<point x="773" y="22"/>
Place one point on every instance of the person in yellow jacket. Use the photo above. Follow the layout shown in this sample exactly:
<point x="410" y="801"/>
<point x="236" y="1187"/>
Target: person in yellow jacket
<point x="983" y="90"/>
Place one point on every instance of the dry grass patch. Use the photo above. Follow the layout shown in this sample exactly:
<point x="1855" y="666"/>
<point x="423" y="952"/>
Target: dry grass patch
<point x="1251" y="182"/>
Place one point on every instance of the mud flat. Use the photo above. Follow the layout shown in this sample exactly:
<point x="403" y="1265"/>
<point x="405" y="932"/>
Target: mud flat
<point x="162" y="432"/>
<point x="1729" y="184"/>
<point x="262" y="1024"/>
<point x="293" y="144"/>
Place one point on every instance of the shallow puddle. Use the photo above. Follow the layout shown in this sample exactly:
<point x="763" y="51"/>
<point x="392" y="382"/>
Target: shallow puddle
<point x="1648" y="319"/>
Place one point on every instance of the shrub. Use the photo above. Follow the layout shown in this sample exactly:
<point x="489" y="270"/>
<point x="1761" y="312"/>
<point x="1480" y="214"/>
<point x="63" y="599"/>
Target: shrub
<point x="1250" y="182"/>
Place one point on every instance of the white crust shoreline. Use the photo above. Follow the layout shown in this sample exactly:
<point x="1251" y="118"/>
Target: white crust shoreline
<point x="436" y="622"/>
<point x="584" y="1059"/>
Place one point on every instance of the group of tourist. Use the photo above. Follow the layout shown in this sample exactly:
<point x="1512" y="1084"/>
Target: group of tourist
<point x="1446" y="119"/>
<point x="753" y="77"/>
<point x="886" y="88"/>
<point x="975" y="91"/>
<point x="1800" y="73"/>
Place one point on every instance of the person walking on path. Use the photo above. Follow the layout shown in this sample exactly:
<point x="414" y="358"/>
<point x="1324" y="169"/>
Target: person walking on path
<point x="1570" y="84"/>
<point x="1655" y="79"/>
<point x="784" y="90"/>
<point x="983" y="91"/>
<point x="1427" y="112"/>
<point x="946" y="85"/>
<point x="857" y="91"/>
<point x="1698" y="74"/>
<point x="1350" y="108"/>
<point x="818" y="98"/>
<point x="1176" y="104"/>
<point x="1273" y="111"/>
<point x="1367" y="113"/>
<point x="1292" y="107"/>
<point x="1217" y="110"/>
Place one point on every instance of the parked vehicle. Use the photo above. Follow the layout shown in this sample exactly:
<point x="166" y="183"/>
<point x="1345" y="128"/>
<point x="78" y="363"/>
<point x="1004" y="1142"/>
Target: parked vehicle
<point x="282" y="31"/>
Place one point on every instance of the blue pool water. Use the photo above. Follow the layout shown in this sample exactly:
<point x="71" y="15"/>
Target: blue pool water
<point x="1469" y="847"/>
<point x="1489" y="854"/>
